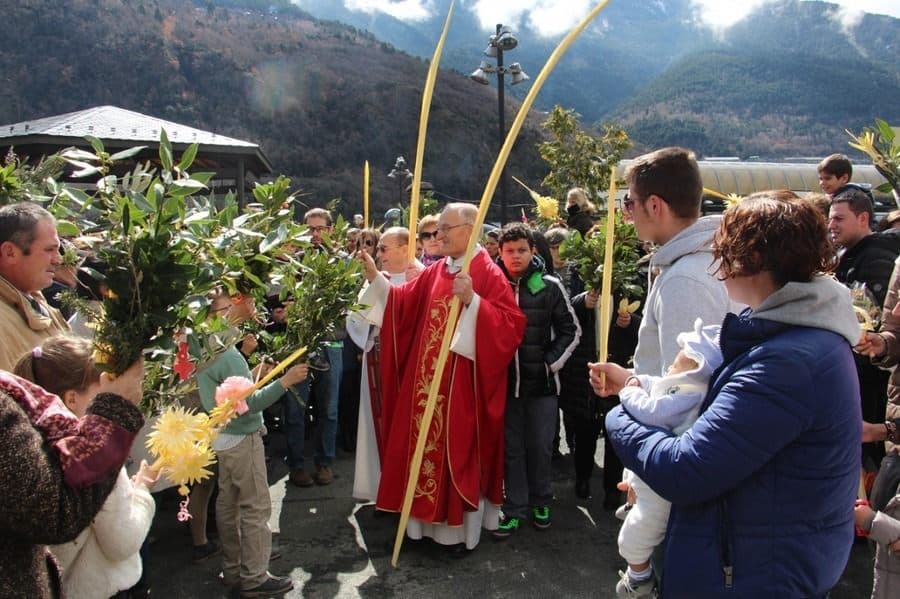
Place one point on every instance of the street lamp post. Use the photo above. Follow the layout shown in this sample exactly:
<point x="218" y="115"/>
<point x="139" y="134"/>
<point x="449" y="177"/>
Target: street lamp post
<point x="502" y="41"/>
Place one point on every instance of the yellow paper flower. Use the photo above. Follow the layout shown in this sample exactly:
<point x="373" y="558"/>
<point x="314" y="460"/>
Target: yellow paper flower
<point x="547" y="208"/>
<point x="865" y="143"/>
<point x="176" y="431"/>
<point x="220" y="415"/>
<point x="628" y="308"/>
<point x="189" y="467"/>
<point x="733" y="199"/>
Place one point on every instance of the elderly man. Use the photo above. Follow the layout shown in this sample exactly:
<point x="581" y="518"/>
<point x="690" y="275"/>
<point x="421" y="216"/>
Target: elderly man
<point x="393" y="251"/>
<point x="29" y="256"/>
<point x="459" y="486"/>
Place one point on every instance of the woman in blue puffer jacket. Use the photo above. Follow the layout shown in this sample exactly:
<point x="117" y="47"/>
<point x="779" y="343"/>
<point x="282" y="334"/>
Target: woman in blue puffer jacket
<point x="763" y="484"/>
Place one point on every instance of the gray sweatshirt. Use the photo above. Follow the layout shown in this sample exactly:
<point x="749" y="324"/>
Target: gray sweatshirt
<point x="681" y="292"/>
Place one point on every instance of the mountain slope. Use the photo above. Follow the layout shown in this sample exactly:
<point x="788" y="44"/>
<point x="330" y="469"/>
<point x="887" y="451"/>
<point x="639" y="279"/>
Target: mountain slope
<point x="623" y="49"/>
<point x="320" y="98"/>
<point x="784" y="82"/>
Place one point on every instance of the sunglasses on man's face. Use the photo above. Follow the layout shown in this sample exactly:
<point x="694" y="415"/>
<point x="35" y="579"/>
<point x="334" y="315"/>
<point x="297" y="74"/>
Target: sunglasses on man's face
<point x="426" y="235"/>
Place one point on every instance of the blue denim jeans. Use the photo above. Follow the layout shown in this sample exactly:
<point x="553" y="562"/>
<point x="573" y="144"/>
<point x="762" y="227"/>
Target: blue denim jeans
<point x="326" y="388"/>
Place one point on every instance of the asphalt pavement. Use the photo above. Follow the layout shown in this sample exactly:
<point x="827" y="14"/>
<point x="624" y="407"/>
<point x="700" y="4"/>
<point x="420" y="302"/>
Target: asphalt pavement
<point x="335" y="546"/>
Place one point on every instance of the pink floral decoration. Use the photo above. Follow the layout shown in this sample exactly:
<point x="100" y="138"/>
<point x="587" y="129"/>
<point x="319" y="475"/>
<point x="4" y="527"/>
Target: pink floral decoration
<point x="234" y="389"/>
<point x="183" y="514"/>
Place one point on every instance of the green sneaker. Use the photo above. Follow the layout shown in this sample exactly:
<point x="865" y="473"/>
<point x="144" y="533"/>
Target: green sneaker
<point x="541" y="517"/>
<point x="506" y="528"/>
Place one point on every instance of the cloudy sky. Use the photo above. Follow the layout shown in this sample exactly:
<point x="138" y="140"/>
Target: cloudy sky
<point x="554" y="17"/>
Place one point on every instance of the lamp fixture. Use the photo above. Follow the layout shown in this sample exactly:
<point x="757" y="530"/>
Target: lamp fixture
<point x="518" y="75"/>
<point x="506" y="41"/>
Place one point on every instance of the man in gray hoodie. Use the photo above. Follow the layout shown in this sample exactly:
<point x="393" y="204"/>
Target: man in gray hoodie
<point x="663" y="201"/>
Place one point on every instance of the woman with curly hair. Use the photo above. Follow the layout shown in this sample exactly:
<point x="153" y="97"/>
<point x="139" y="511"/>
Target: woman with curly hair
<point x="763" y="483"/>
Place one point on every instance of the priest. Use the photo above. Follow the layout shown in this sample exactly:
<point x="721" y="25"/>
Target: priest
<point x="393" y="252"/>
<point x="459" y="486"/>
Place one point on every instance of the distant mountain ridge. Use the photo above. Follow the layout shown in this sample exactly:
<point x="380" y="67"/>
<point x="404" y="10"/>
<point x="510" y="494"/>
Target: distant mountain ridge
<point x="785" y="81"/>
<point x="321" y="97"/>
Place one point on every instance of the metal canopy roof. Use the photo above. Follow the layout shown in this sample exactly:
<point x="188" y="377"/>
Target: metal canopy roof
<point x="744" y="178"/>
<point x="121" y="128"/>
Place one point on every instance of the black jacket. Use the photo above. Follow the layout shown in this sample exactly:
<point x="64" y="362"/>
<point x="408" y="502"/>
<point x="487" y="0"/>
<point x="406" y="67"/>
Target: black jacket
<point x="871" y="261"/>
<point x="577" y="398"/>
<point x="551" y="333"/>
<point x="579" y="220"/>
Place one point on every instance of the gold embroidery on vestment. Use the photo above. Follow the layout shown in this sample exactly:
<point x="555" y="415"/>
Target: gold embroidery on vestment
<point x="427" y="483"/>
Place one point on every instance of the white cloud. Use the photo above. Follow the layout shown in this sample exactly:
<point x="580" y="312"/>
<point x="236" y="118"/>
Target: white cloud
<point x="549" y="18"/>
<point x="405" y="10"/>
<point x="722" y="13"/>
<point x="554" y="17"/>
<point x="849" y="19"/>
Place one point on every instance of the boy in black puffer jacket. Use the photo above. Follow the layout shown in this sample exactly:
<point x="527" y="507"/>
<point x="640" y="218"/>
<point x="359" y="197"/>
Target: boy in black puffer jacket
<point x="551" y="335"/>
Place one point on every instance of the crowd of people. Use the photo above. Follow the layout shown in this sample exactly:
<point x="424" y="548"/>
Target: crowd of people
<point x="743" y="407"/>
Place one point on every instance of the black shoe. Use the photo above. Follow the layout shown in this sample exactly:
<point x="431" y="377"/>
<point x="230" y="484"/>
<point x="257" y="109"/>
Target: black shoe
<point x="274" y="585"/>
<point x="583" y="489"/>
<point x="203" y="552"/>
<point x="459" y="551"/>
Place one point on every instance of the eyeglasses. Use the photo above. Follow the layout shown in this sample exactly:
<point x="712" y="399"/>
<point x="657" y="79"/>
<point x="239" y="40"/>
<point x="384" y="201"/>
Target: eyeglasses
<point x="426" y="235"/>
<point x="628" y="203"/>
<point x="320" y="229"/>
<point x="368" y="242"/>
<point x="383" y="248"/>
<point x="444" y="229"/>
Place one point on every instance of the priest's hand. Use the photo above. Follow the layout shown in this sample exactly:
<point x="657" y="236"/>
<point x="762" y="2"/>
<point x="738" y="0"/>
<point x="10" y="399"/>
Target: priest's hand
<point x="462" y="288"/>
<point x="370" y="271"/>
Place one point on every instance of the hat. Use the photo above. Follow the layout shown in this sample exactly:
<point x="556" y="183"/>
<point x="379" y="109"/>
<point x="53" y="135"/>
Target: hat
<point x="702" y="346"/>
<point x="556" y="235"/>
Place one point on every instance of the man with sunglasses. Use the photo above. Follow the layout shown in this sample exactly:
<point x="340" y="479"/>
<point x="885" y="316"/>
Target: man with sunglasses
<point x="663" y="201"/>
<point x="459" y="486"/>
<point x="392" y="255"/>
<point x="665" y="191"/>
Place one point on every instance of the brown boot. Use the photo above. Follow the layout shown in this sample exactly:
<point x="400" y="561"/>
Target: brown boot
<point x="300" y="478"/>
<point x="324" y="475"/>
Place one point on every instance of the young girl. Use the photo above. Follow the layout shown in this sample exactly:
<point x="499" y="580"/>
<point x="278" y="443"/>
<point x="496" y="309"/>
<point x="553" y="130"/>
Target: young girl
<point x="104" y="558"/>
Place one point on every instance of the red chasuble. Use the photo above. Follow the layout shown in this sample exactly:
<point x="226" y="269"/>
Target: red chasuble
<point x="463" y="457"/>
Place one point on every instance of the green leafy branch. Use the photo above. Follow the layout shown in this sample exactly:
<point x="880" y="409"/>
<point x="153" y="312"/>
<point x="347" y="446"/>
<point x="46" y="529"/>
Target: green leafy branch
<point x="578" y="158"/>
<point x="152" y="266"/>
<point x="322" y="288"/>
<point x="879" y="143"/>
<point x="588" y="255"/>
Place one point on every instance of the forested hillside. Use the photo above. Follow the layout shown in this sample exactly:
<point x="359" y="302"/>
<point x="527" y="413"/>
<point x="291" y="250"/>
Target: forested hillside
<point x="320" y="98"/>
<point x="784" y="82"/>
